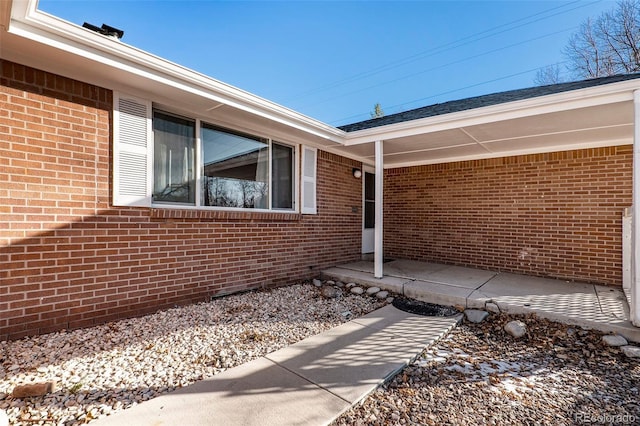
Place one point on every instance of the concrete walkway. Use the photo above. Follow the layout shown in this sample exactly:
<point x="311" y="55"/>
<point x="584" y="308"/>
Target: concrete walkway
<point x="309" y="383"/>
<point x="588" y="305"/>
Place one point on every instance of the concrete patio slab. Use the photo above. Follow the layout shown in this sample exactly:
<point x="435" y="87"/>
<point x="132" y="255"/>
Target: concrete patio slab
<point x="441" y="294"/>
<point x="612" y="302"/>
<point x="520" y="294"/>
<point x="593" y="306"/>
<point x="459" y="276"/>
<point x="257" y="393"/>
<point x="411" y="269"/>
<point x="586" y="305"/>
<point x="352" y="360"/>
<point x="506" y="284"/>
<point x="361" y="265"/>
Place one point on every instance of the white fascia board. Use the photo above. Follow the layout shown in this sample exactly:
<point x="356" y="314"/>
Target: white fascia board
<point x="565" y="101"/>
<point x="30" y="23"/>
<point x="500" y="154"/>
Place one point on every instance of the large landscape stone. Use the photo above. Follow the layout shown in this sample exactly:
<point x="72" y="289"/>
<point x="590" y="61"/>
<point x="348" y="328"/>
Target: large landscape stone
<point x="516" y="328"/>
<point x="357" y="290"/>
<point x="631" y="351"/>
<point x="475" y="315"/>
<point x="34" y="389"/>
<point x="614" y="340"/>
<point x="331" y="292"/>
<point x="382" y="294"/>
<point x="372" y="290"/>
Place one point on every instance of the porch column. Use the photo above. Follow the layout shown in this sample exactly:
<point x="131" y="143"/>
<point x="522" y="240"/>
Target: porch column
<point x="378" y="256"/>
<point x="635" y="216"/>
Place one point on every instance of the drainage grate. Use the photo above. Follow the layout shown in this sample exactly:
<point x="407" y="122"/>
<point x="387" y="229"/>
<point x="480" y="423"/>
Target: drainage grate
<point x="424" y="308"/>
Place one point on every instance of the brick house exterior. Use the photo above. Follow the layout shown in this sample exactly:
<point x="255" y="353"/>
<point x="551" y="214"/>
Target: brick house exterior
<point x="532" y="181"/>
<point x="553" y="215"/>
<point x="71" y="259"/>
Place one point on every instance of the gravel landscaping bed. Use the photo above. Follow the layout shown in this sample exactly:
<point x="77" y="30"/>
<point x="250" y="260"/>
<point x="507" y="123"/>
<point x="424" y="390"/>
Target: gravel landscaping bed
<point x="104" y="369"/>
<point x="479" y="374"/>
<point x="553" y="375"/>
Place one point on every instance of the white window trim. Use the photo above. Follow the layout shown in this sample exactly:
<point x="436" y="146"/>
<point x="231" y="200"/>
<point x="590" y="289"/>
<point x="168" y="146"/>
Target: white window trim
<point x="295" y="177"/>
<point x="146" y="199"/>
<point x="198" y="178"/>
<point x="198" y="166"/>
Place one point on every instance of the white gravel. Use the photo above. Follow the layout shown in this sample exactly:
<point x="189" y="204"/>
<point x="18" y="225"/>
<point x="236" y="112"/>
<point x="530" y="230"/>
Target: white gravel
<point x="555" y="374"/>
<point x="104" y="369"/>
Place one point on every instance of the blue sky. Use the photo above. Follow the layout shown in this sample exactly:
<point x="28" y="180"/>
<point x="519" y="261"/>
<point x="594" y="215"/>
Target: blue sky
<point x="334" y="60"/>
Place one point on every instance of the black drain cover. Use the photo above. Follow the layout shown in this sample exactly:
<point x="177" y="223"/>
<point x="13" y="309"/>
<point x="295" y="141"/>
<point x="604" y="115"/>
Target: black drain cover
<point x="423" y="308"/>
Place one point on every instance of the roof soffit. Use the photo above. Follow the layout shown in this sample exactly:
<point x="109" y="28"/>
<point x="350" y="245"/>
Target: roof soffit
<point x="556" y="103"/>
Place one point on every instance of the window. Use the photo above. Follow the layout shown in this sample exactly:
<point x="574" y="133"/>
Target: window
<point x="173" y="159"/>
<point x="282" y="176"/>
<point x="164" y="159"/>
<point x="369" y="200"/>
<point x="235" y="169"/>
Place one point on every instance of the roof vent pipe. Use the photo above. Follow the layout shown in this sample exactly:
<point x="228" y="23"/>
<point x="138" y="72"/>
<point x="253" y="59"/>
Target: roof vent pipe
<point x="107" y="30"/>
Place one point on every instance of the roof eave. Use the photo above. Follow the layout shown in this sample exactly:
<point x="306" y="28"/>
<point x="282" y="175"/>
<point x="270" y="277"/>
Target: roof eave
<point x="27" y="21"/>
<point x="580" y="98"/>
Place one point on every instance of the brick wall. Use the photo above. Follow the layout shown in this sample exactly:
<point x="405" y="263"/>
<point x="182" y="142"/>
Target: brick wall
<point x="556" y="214"/>
<point x="68" y="259"/>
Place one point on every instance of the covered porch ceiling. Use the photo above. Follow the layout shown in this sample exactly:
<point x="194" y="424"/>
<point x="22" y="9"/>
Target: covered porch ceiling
<point x="446" y="139"/>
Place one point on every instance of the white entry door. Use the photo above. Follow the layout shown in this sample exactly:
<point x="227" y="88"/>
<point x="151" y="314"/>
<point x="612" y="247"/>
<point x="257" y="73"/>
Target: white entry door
<point x="368" y="211"/>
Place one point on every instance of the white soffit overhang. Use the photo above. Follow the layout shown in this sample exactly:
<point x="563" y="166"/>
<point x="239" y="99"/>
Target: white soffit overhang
<point x="470" y="138"/>
<point x="584" y="118"/>
<point x="589" y="117"/>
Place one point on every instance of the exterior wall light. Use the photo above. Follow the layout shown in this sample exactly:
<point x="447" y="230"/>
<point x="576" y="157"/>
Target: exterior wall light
<point x="357" y="173"/>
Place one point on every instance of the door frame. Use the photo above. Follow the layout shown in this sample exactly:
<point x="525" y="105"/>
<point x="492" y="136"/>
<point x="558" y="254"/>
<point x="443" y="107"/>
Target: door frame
<point x="368" y="234"/>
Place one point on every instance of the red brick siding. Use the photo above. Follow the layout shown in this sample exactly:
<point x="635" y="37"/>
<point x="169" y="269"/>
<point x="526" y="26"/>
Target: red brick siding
<point x="69" y="259"/>
<point x="556" y="214"/>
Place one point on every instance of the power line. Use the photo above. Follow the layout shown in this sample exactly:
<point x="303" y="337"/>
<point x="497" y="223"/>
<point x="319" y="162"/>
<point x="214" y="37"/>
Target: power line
<point x="445" y="47"/>
<point x="451" y="91"/>
<point x="488" y="52"/>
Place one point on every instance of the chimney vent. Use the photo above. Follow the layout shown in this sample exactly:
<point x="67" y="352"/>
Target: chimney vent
<point x="107" y="30"/>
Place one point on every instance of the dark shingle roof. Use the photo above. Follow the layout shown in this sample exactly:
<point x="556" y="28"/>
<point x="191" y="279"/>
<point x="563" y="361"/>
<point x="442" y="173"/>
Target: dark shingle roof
<point x="483" y="101"/>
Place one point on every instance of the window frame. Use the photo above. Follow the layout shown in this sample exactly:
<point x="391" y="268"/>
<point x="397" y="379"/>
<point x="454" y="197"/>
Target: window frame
<point x="195" y="159"/>
<point x="294" y="177"/>
<point x="198" y="178"/>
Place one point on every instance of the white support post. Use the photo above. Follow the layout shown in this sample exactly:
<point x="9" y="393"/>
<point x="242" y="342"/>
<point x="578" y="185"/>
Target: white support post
<point x="635" y="216"/>
<point x="378" y="256"/>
